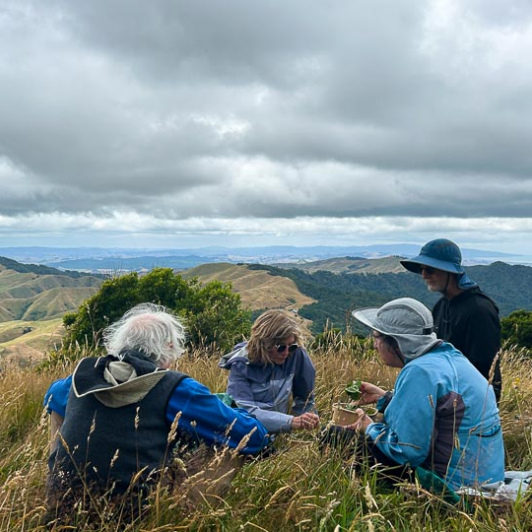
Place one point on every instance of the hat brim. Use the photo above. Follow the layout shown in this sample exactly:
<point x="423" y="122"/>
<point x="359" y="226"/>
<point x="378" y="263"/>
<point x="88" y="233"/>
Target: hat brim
<point x="414" y="265"/>
<point x="368" y="317"/>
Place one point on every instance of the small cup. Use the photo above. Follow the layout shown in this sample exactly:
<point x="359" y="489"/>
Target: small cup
<point x="344" y="416"/>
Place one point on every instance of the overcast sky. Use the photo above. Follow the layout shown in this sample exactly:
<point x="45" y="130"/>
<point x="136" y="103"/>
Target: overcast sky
<point x="183" y="123"/>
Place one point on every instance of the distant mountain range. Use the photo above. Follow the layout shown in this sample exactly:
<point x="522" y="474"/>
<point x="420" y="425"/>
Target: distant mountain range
<point x="322" y="292"/>
<point x="103" y="260"/>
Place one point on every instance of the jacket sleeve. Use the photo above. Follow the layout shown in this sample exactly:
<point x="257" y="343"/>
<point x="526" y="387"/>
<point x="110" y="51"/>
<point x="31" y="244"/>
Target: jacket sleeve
<point x="405" y="436"/>
<point x="56" y="398"/>
<point x="238" y="387"/>
<point x="303" y="385"/>
<point x="207" y="419"/>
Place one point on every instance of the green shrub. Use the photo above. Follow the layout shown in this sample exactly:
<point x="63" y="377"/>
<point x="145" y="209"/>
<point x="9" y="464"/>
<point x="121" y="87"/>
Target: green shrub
<point x="516" y="329"/>
<point x="212" y="312"/>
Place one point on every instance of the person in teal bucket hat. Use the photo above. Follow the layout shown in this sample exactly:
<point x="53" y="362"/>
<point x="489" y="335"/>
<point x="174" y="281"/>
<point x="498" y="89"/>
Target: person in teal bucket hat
<point x="464" y="316"/>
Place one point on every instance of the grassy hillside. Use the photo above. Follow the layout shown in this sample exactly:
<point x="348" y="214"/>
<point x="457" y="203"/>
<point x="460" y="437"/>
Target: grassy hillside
<point x="24" y="343"/>
<point x="349" y="265"/>
<point x="36" y="293"/>
<point x="298" y="488"/>
<point x="338" y="294"/>
<point x="327" y="291"/>
<point x="257" y="288"/>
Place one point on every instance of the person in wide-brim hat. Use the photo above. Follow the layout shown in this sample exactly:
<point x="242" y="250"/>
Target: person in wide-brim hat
<point x="464" y="316"/>
<point x="442" y="415"/>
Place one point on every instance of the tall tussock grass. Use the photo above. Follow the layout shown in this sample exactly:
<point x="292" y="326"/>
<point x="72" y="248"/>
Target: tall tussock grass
<point x="299" y="487"/>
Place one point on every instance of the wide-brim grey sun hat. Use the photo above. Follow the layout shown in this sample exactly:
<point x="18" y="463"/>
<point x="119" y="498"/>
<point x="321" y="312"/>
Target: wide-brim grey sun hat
<point x="405" y="319"/>
<point x="441" y="254"/>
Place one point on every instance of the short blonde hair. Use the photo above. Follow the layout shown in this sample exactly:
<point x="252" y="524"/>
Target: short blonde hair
<point x="270" y="329"/>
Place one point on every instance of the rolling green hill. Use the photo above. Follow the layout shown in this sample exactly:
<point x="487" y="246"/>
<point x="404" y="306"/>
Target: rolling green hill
<point x="335" y="295"/>
<point x="349" y="265"/>
<point x="33" y="299"/>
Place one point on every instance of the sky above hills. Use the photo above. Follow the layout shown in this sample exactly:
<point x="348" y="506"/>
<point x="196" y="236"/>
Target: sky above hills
<point x="194" y="123"/>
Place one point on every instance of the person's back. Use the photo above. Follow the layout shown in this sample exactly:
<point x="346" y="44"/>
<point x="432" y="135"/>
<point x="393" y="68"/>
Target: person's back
<point x="113" y="448"/>
<point x="117" y="419"/>
<point x="468" y="449"/>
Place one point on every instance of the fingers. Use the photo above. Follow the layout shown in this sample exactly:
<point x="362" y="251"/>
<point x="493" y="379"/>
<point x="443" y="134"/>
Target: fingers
<point x="306" y="421"/>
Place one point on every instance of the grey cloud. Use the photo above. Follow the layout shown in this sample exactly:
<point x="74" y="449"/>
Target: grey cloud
<point x="267" y="109"/>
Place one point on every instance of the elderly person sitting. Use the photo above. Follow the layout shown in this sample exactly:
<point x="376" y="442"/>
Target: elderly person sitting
<point x="442" y="415"/>
<point x="117" y="419"/>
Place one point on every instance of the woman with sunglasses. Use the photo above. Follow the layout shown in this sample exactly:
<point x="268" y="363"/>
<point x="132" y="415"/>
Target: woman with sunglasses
<point x="269" y="370"/>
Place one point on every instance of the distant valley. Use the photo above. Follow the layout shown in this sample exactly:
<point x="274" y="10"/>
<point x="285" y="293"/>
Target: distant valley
<point x="33" y="298"/>
<point x="112" y="261"/>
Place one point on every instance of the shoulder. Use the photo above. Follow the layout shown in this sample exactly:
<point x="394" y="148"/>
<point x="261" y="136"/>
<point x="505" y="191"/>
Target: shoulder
<point x="60" y="386"/>
<point x="302" y="358"/>
<point x="475" y="299"/>
<point x="431" y="363"/>
<point x="186" y="385"/>
<point x="57" y="395"/>
<point x="238" y="355"/>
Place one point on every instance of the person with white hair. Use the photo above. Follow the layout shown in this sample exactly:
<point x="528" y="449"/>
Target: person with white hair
<point x="442" y="415"/>
<point x="118" y="418"/>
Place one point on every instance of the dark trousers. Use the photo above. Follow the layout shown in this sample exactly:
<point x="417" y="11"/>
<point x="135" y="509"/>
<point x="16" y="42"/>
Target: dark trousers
<point x="363" y="453"/>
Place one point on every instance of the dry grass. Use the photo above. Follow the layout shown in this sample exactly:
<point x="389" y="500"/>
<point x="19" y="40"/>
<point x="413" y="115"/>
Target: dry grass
<point x="296" y="489"/>
<point x="257" y="288"/>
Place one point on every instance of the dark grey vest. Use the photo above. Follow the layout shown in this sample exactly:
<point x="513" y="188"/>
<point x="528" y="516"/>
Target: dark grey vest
<point x="109" y="446"/>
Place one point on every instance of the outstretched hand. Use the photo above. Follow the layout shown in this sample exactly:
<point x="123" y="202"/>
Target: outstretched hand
<point x="362" y="422"/>
<point x="370" y="393"/>
<point x="306" y="421"/>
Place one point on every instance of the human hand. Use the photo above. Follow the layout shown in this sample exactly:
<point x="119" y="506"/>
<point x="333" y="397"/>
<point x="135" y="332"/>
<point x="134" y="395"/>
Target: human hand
<point x="362" y="422"/>
<point x="370" y="393"/>
<point x="306" y="421"/>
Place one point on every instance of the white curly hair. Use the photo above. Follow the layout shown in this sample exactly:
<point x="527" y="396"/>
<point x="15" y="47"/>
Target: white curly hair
<point x="150" y="329"/>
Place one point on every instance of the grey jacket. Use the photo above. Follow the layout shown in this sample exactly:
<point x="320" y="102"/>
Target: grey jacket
<point x="265" y="390"/>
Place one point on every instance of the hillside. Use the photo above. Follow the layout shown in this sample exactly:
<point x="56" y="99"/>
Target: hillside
<point x="23" y="343"/>
<point x="257" y="288"/>
<point x="33" y="299"/>
<point x="349" y="265"/>
<point x="335" y="295"/>
<point x="39" y="269"/>
<point x="33" y="296"/>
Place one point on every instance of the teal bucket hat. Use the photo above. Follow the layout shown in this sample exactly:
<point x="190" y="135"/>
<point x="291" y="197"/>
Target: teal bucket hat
<point x="441" y="254"/>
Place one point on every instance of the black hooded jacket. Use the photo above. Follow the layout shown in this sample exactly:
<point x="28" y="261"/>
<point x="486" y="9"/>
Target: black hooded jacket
<point x="470" y="321"/>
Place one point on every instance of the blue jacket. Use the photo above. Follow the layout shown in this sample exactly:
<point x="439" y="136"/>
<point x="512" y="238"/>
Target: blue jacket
<point x="443" y="416"/>
<point x="203" y="416"/>
<point x="265" y="390"/>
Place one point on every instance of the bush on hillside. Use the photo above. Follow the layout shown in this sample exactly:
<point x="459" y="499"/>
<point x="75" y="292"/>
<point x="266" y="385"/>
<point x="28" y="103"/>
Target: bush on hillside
<point x="516" y="329"/>
<point x="212" y="312"/>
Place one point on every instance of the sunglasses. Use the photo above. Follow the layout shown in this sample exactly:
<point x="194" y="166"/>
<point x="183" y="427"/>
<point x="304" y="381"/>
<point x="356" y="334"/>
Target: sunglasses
<point x="427" y="269"/>
<point x="282" y="348"/>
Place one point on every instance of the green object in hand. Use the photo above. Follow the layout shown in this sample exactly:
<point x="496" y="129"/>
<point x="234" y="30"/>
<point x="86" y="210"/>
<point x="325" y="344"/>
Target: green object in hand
<point x="353" y="390"/>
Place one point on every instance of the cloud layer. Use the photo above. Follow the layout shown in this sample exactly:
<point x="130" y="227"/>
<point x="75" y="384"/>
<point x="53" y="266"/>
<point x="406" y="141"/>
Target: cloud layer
<point x="304" y="121"/>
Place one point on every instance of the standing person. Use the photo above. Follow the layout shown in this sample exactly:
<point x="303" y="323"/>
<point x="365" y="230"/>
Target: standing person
<point x="269" y="370"/>
<point x="464" y="316"/>
<point x="117" y="419"/>
<point x="442" y="415"/>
